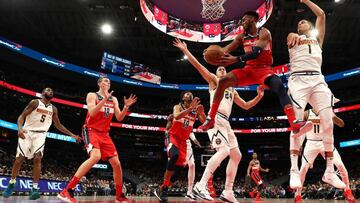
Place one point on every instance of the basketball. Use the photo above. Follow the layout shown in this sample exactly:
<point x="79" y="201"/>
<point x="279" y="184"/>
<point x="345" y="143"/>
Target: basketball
<point x="213" y="54"/>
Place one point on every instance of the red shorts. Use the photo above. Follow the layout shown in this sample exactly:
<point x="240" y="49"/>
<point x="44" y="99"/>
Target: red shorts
<point x="251" y="75"/>
<point x="99" y="140"/>
<point x="181" y="147"/>
<point x="255" y="176"/>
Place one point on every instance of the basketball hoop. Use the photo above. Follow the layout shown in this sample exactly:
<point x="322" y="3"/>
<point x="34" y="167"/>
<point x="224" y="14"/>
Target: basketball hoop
<point x="212" y="9"/>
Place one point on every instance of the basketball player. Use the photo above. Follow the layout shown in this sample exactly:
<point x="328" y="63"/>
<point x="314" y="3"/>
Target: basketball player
<point x="190" y="162"/>
<point x="221" y="136"/>
<point x="257" y="60"/>
<point x="314" y="146"/>
<point x="38" y="115"/>
<point x="253" y="171"/>
<point x="101" y="108"/>
<point x="185" y="114"/>
<point x="307" y="85"/>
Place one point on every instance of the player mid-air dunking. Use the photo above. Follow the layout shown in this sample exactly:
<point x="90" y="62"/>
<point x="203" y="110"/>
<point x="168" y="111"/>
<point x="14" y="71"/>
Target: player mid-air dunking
<point x="257" y="60"/>
<point x="102" y="106"/>
<point x="190" y="161"/>
<point x="38" y="116"/>
<point x="185" y="114"/>
<point x="253" y="171"/>
<point x="307" y="85"/>
<point x="222" y="136"/>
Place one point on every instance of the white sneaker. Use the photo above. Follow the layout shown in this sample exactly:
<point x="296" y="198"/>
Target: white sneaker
<point x="332" y="179"/>
<point x="190" y="196"/>
<point x="295" y="182"/>
<point x="228" y="196"/>
<point x="202" y="192"/>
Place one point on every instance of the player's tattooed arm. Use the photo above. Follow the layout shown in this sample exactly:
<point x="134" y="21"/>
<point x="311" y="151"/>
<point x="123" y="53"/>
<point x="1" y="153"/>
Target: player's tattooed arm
<point x="61" y="127"/>
<point x="20" y="121"/>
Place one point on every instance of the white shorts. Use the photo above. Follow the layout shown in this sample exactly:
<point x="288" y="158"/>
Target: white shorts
<point x="222" y="135"/>
<point x="310" y="89"/>
<point x="189" y="154"/>
<point x="33" y="143"/>
<point x="313" y="149"/>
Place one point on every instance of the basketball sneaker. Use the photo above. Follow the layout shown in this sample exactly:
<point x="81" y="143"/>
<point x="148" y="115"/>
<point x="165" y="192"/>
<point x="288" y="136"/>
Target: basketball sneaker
<point x="67" y="196"/>
<point x="162" y="193"/>
<point x="121" y="198"/>
<point x="190" y="196"/>
<point x="228" y="196"/>
<point x="298" y="199"/>
<point x="332" y="179"/>
<point x="349" y="196"/>
<point x="208" y="124"/>
<point x="201" y="192"/>
<point x="295" y="182"/>
<point x="9" y="190"/>
<point x="34" y="194"/>
<point x="300" y="127"/>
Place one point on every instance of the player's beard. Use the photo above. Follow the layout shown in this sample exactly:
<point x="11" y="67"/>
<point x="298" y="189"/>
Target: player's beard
<point x="48" y="97"/>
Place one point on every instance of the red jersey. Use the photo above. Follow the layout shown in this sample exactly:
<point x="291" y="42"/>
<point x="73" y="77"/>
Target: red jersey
<point x="183" y="127"/>
<point x="101" y="121"/>
<point x="265" y="58"/>
<point x="255" y="168"/>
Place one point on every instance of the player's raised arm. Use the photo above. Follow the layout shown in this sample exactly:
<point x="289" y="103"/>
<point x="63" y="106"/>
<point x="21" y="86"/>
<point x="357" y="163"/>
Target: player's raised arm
<point x="204" y="72"/>
<point x="249" y="104"/>
<point x="60" y="126"/>
<point x="120" y="115"/>
<point x="179" y="114"/>
<point x="320" y="19"/>
<point x="94" y="108"/>
<point x="20" y="121"/>
<point x="200" y="113"/>
<point x="238" y="41"/>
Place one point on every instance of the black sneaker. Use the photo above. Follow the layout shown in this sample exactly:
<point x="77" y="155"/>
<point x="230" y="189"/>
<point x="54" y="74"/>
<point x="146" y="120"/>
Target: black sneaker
<point x="161" y="193"/>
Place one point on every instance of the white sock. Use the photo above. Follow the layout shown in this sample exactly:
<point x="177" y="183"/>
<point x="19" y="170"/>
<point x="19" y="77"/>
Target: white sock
<point x="294" y="162"/>
<point x="329" y="164"/>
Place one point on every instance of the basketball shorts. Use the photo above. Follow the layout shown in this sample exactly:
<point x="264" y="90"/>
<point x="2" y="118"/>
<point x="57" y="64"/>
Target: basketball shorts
<point x="99" y="140"/>
<point x="222" y="135"/>
<point x="33" y="143"/>
<point x="181" y="148"/>
<point x="315" y="147"/>
<point x="189" y="153"/>
<point x="310" y="89"/>
<point x="250" y="75"/>
<point x="255" y="176"/>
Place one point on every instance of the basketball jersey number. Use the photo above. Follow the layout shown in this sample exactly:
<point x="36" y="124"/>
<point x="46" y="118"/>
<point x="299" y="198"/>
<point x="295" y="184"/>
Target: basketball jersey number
<point x="106" y="112"/>
<point x="316" y="128"/>
<point x="309" y="49"/>
<point x="228" y="95"/>
<point x="186" y="124"/>
<point x="42" y="118"/>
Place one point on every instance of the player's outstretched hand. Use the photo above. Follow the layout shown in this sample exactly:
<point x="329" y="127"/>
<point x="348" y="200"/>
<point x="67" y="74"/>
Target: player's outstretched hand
<point x="267" y="170"/>
<point x="21" y="133"/>
<point x="108" y="95"/>
<point x="195" y="103"/>
<point x="77" y="138"/>
<point x="200" y="109"/>
<point x="293" y="39"/>
<point x="179" y="44"/>
<point x="130" y="101"/>
<point x="228" y="59"/>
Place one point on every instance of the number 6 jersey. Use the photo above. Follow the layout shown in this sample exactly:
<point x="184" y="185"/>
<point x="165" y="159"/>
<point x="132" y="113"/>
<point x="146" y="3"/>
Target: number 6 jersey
<point x="39" y="119"/>
<point x="306" y="56"/>
<point x="101" y="121"/>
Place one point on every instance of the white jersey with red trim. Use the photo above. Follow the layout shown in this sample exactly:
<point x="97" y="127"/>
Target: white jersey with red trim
<point x="306" y="56"/>
<point x="40" y="119"/>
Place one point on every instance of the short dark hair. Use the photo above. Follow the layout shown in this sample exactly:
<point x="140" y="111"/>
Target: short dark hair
<point x="101" y="78"/>
<point x="252" y="14"/>
<point x="182" y="94"/>
<point x="46" y="88"/>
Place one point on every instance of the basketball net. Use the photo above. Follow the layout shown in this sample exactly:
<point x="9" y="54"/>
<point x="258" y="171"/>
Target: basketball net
<point x="212" y="9"/>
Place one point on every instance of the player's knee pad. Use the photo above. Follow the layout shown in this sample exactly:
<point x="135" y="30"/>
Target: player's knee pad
<point x="173" y="157"/>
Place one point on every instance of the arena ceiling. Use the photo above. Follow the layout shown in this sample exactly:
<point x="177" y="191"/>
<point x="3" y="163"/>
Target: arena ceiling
<point x="69" y="30"/>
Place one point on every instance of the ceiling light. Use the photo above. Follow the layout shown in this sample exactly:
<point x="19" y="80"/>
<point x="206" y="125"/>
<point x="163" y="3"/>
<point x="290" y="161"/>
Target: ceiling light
<point x="106" y="29"/>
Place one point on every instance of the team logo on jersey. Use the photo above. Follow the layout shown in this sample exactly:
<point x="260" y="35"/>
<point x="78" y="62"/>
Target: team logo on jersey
<point x="218" y="141"/>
